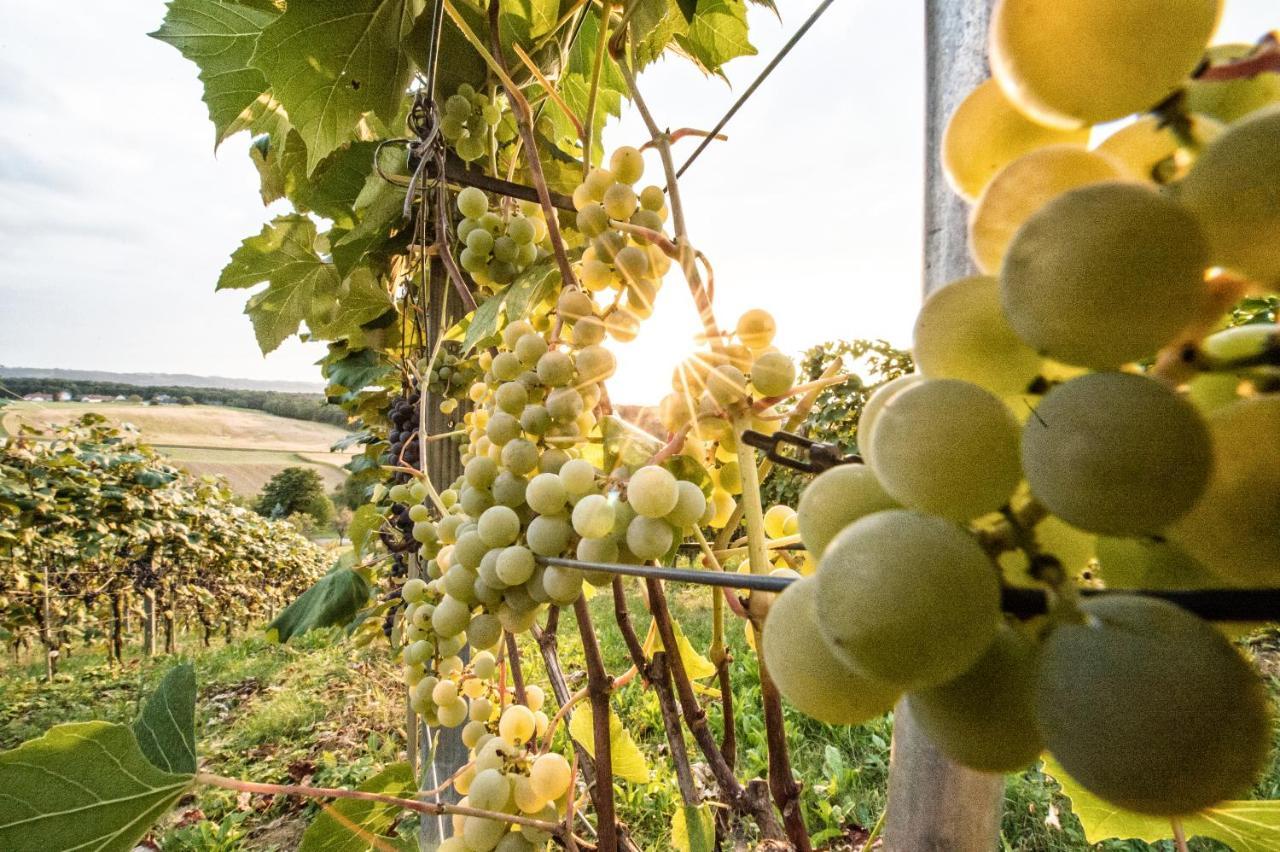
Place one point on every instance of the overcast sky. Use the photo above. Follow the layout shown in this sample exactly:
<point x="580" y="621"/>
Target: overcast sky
<point x="116" y="217"/>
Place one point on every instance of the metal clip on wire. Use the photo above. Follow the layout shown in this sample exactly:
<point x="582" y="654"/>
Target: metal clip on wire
<point x="815" y="456"/>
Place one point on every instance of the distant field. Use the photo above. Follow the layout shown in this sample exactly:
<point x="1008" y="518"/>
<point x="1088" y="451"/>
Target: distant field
<point x="246" y="447"/>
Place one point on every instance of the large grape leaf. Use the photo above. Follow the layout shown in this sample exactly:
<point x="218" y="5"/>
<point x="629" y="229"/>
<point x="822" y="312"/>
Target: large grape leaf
<point x="361" y="299"/>
<point x="350" y="825"/>
<point x="219" y="37"/>
<point x="717" y="33"/>
<point x="331" y="61"/>
<point x="1244" y="826"/>
<point x="458" y="62"/>
<point x="333" y="600"/>
<point x="166" y="727"/>
<point x="85" y="785"/>
<point x="575" y="83"/>
<point x="627" y="759"/>
<point x="366" y="521"/>
<point x="283" y="254"/>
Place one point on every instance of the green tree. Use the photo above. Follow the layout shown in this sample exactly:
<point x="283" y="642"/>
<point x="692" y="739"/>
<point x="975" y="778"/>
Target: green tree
<point x="296" y="490"/>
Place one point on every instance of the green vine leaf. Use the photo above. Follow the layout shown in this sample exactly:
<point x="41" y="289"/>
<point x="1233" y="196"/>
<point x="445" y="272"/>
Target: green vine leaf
<point x="219" y="37"/>
<point x="85" y="785"/>
<point x="362" y="298"/>
<point x="717" y="33"/>
<point x="688" y="8"/>
<point x="333" y="600"/>
<point x="693" y="828"/>
<point x="458" y="62"/>
<point x="166" y="727"/>
<point x="484" y="321"/>
<point x="1244" y="826"/>
<point x="628" y="761"/>
<point x="364" y="523"/>
<point x="347" y="825"/>
<point x="330" y="62"/>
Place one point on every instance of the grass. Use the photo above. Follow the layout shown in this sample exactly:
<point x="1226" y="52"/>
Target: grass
<point x="247" y="447"/>
<point x="320" y="711"/>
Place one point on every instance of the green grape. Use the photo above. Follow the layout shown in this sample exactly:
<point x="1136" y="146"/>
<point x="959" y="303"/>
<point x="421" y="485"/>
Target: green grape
<point x="452" y="715"/>
<point x="548" y="535"/>
<point x="1151" y="708"/>
<point x="469" y="550"/>
<point x="1232" y="191"/>
<point x="961" y="333"/>
<point x="608" y="244"/>
<point x="424" y="532"/>
<point x="1230" y="100"/>
<point x="875" y="404"/>
<point x="564" y="405"/>
<point x="484" y="631"/>
<point x="653" y="198"/>
<point x="946" y="447"/>
<point x="892" y="583"/>
<point x="727" y="385"/>
<point x="550" y="775"/>
<point x="632" y="263"/>
<point x="646" y="219"/>
<point x="1116" y="453"/>
<point x="593" y="516"/>
<point x="514" y="331"/>
<point x="498" y="526"/>
<point x="458" y="107"/>
<point x="573" y="305"/>
<point x="1104" y="275"/>
<point x="1024" y="187"/>
<point x="449" y="525"/>
<point x="597" y="550"/>
<point x="587" y="332"/>
<point x="1072" y="62"/>
<point x="1144" y="563"/>
<point x="451" y="616"/>
<point x="592" y="220"/>
<point x="520" y="456"/>
<point x="509" y="490"/>
<point x="451" y="128"/>
<point x="649" y="538"/>
<point x="505" y="249"/>
<point x="491" y="114"/>
<point x="414" y="591"/>
<point x="597" y="182"/>
<point x="492" y="222"/>
<point x="986" y="133"/>
<point x="562" y="585"/>
<point x="471" y="148"/>
<point x="595" y="363"/>
<point x="460" y="583"/>
<point x="836" y="498"/>
<point x="552" y="459"/>
<point x="546" y="494"/>
<point x="480" y="241"/>
<point x="516" y="841"/>
<point x="555" y="368"/>
<point x="530" y="347"/>
<point x="480" y="472"/>
<point x="622" y="327"/>
<point x="482" y="834"/>
<point x="1150" y="150"/>
<point x="511" y="397"/>
<point x="985" y="719"/>
<point x="627" y="165"/>
<point x="475" y="500"/>
<point x="535" y="419"/>
<point x="620" y="202"/>
<point x="515" y="565"/>
<point x="807" y="673"/>
<point x="652" y="491"/>
<point x="773" y="374"/>
<point x="691" y="505"/>
<point x="578" y="476"/>
<point x="506" y="366"/>
<point x="1232" y="530"/>
<point x="501" y="272"/>
<point x="521" y="230"/>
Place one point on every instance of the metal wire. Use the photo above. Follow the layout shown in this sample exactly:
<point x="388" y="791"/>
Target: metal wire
<point x="755" y="84"/>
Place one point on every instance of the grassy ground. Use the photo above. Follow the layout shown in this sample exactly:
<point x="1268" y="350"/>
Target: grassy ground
<point x="247" y="447"/>
<point x="319" y="711"/>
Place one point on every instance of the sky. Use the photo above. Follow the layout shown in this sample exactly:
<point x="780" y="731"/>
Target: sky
<point x="116" y="216"/>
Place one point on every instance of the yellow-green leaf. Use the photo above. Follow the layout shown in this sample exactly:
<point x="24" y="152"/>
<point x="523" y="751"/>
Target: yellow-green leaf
<point x="696" y="665"/>
<point x="702" y="838"/>
<point x="628" y="761"/>
<point x="1244" y="826"/>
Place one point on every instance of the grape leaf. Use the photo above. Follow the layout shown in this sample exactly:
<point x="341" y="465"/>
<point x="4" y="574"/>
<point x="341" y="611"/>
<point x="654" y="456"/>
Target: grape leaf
<point x="219" y="37"/>
<point x="696" y="665"/>
<point x="333" y="600"/>
<point x="355" y="370"/>
<point x="361" y="299"/>
<point x="688" y="8"/>
<point x="1244" y="826"/>
<point x="628" y="761"/>
<point x="166" y="727"/>
<point x="717" y="33"/>
<point x="458" y="61"/>
<point x="346" y="825"/>
<point x="85" y="785"/>
<point x="364" y="523"/>
<point x="575" y="83"/>
<point x="483" y="321"/>
<point x="703" y="836"/>
<point x="331" y="61"/>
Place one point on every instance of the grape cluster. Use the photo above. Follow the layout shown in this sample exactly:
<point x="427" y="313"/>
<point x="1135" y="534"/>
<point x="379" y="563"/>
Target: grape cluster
<point x="449" y="377"/>
<point x="626" y="264"/>
<point x="469" y="119"/>
<point x="495" y="250"/>
<point x="1033" y="448"/>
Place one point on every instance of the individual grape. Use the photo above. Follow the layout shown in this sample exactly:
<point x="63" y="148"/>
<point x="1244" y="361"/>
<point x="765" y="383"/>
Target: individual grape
<point x="597" y="182"/>
<point x="1230" y="100"/>
<point x="472" y="202"/>
<point x="1024" y="187"/>
<point x="505" y="250"/>
<point x="595" y="363"/>
<point x="597" y="550"/>
<point x="627" y="165"/>
<point x="444" y="692"/>
<point x="592" y="220"/>
<point x="1116" y="453"/>
<point x="652" y="491"/>
<point x="511" y="397"/>
<point x="419" y="513"/>
<point x="460" y="583"/>
<point x="515" y="565"/>
<point x="985" y="719"/>
<point x="653" y="199"/>
<point x="891" y="584"/>
<point x="564" y="405"/>
<point x="526" y="798"/>
<point x="578" y="476"/>
<point x="756" y="329"/>
<point x="484" y="631"/>
<point x="727" y="385"/>
<point x="550" y="775"/>
<point x="452" y="715"/>
<point x="520" y="456"/>
<point x="475" y="500"/>
<point x="548" y="535"/>
<point x="587" y="332"/>
<point x="514" y="331"/>
<point x="480" y="472"/>
<point x="649" y="538"/>
<point x="691" y="505"/>
<point x="773" y="374"/>
<point x="961" y="333"/>
<point x="806" y="671"/>
<point x="1232" y="530"/>
<point x="622" y="327"/>
<point x="516" y="725"/>
<point x="593" y="516"/>
<point x="1104" y="275"/>
<point x="555" y="368"/>
<point x="498" y="526"/>
<point x="775" y="519"/>
<point x="414" y="591"/>
<point x="986" y="133"/>
<point x="1232" y="191"/>
<point x="875" y="404"/>
<point x="1150" y="150"/>
<point x="1150" y="708"/>
<point x="836" y="498"/>
<point x="552" y="459"/>
<point x="620" y="202"/>
<point x="534" y="698"/>
<point x="946" y="447"/>
<point x="1072" y="63"/>
<point x="490" y="790"/>
<point x="509" y="490"/>
<point x="546" y="494"/>
<point x="480" y="242"/>
<point x="573" y="305"/>
<point x="562" y="585"/>
<point x="521" y="230"/>
<point x="1143" y="563"/>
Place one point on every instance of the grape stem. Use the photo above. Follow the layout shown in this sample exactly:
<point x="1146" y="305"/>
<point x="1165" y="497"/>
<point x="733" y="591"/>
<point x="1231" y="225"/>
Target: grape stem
<point x="517" y="673"/>
<point x="588" y="132"/>
<point x="1265" y="57"/>
<point x="720" y="655"/>
<point x="599" y="685"/>
<point x="676" y="135"/>
<point x="1179" y="834"/>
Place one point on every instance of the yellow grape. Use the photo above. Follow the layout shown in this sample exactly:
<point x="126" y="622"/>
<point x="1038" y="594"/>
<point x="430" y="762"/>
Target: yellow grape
<point x="1151" y="708"/>
<point x="756" y="329"/>
<point x="1075" y="62"/>
<point x="1023" y="187"/>
<point x="550" y="775"/>
<point x="1234" y="191"/>
<point x="985" y="719"/>
<point x="875" y="403"/>
<point x="652" y="491"/>
<point x="1104" y="275"/>
<point x="526" y="798"/>
<point x="807" y="672"/>
<point x="1229" y="100"/>
<point x="961" y="333"/>
<point x="1232" y="530"/>
<point x="908" y="599"/>
<point x="517" y="724"/>
<point x="775" y="520"/>
<point x="836" y="498"/>
<point x="986" y="133"/>
<point x="1144" y="149"/>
